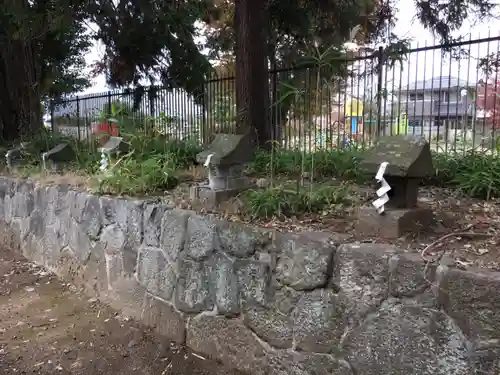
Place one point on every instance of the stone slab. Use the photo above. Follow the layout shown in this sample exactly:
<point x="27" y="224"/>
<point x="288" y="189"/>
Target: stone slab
<point x="393" y="223"/>
<point x="114" y="144"/>
<point x="227" y="340"/>
<point x="228" y="149"/>
<point x="388" y="341"/>
<point x="407" y="156"/>
<point x="213" y="198"/>
<point x="472" y="299"/>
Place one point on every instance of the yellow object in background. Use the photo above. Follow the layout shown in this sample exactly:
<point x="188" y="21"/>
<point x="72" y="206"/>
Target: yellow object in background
<point x="400" y="126"/>
<point x="353" y="108"/>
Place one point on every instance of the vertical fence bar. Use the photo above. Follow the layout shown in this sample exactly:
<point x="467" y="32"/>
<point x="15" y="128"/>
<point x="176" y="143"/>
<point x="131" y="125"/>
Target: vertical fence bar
<point x="274" y="120"/>
<point x="380" y="68"/>
<point x="52" y="110"/>
<point x="495" y="141"/>
<point x="78" y="117"/>
<point x="487" y="80"/>
<point x="109" y="102"/>
<point x="204" y="109"/>
<point x="418" y="92"/>
<point x="423" y="117"/>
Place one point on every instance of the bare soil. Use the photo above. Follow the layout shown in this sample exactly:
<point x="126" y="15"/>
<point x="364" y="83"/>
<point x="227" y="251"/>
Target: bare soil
<point x="48" y="327"/>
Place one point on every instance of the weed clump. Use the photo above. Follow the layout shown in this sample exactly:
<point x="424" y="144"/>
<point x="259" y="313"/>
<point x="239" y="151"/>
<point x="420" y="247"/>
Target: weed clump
<point x="154" y="161"/>
<point x="336" y="163"/>
<point x="281" y="202"/>
<point x="131" y="176"/>
<point x="474" y="174"/>
<point x="151" y="166"/>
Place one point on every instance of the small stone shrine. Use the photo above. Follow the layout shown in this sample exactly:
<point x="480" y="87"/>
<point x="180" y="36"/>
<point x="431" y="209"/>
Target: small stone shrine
<point x="114" y="145"/>
<point x="225" y="159"/>
<point x="62" y="153"/>
<point x="409" y="161"/>
<point x="13" y="157"/>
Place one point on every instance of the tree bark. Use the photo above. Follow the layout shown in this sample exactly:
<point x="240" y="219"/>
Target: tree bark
<point x="252" y="78"/>
<point x="20" y="101"/>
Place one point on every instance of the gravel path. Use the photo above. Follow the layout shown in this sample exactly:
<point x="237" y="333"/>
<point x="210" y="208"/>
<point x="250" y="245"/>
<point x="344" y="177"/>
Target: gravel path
<point x="48" y="327"/>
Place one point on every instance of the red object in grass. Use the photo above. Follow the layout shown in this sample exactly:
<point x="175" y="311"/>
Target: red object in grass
<point x="104" y="130"/>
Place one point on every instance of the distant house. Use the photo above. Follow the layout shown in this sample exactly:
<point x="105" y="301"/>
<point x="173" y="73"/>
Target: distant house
<point x="439" y="101"/>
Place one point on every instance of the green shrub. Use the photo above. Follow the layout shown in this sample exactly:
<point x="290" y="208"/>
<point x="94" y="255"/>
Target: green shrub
<point x="87" y="157"/>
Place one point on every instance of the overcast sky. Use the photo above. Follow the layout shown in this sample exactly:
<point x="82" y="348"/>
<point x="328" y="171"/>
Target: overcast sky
<point x="419" y="65"/>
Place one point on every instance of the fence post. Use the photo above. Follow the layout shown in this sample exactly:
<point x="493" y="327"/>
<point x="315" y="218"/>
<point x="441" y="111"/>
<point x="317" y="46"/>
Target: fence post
<point x="203" y="130"/>
<point x="78" y="117"/>
<point x="51" y="108"/>
<point x="151" y="102"/>
<point x="274" y="119"/>
<point x="109" y="105"/>
<point x="380" y="69"/>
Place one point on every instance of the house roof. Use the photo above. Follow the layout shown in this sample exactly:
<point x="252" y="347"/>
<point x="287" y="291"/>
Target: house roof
<point x="437" y="83"/>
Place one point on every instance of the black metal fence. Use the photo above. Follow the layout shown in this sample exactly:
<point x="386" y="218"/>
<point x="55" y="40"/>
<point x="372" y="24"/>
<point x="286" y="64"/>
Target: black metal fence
<point x="447" y="93"/>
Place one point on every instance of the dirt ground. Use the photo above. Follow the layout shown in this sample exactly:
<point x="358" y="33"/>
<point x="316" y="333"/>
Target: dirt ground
<point x="48" y="327"/>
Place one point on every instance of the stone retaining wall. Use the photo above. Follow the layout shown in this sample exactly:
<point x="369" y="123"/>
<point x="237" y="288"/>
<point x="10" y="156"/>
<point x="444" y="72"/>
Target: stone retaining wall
<point x="261" y="301"/>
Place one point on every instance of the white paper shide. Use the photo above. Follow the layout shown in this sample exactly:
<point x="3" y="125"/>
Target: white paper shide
<point x="383" y="198"/>
<point x="208" y="160"/>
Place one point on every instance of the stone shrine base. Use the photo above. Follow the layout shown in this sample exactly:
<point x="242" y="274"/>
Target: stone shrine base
<point x="393" y="223"/>
<point x="213" y="198"/>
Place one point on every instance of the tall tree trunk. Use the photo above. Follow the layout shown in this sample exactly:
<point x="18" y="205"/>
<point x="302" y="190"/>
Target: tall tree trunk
<point x="252" y="81"/>
<point x="20" y="103"/>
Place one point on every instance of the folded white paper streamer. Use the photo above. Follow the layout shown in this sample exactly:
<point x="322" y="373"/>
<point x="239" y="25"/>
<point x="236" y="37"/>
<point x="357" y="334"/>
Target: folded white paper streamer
<point x="207" y="160"/>
<point x="383" y="198"/>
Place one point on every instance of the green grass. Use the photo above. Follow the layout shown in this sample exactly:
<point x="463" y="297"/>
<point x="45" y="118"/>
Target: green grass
<point x="154" y="163"/>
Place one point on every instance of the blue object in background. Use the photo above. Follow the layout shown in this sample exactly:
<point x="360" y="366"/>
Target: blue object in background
<point x="354" y="125"/>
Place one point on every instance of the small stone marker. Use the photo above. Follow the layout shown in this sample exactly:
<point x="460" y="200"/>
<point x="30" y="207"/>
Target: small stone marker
<point x="225" y="159"/>
<point x="409" y="161"/>
<point x="13" y="156"/>
<point x="62" y="153"/>
<point x="112" y="146"/>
